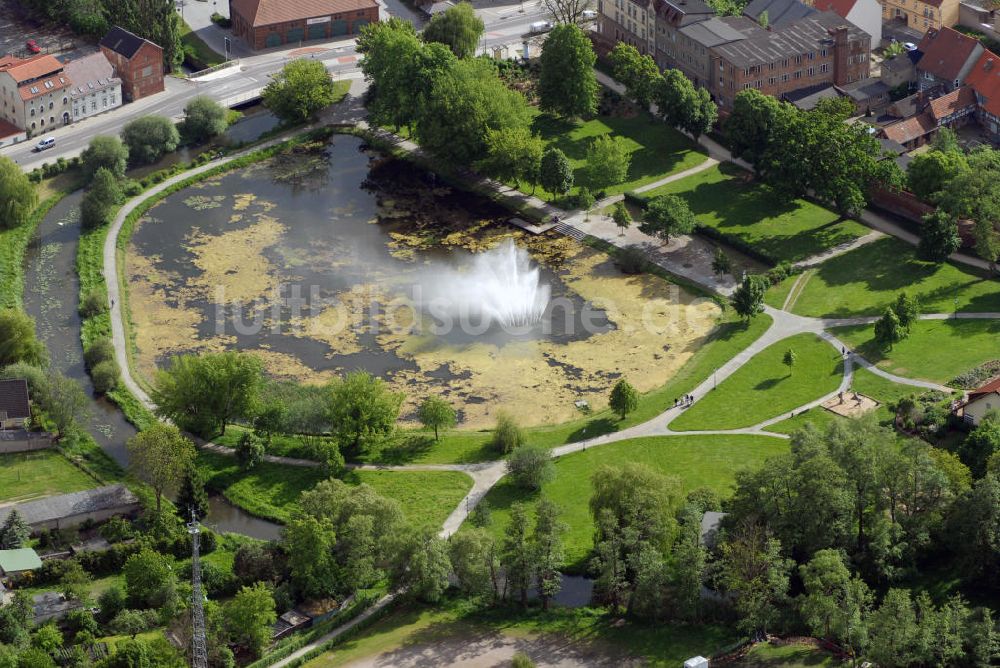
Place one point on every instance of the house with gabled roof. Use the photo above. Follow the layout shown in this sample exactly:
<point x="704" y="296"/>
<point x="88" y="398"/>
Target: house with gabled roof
<point x="984" y="79"/>
<point x="34" y="93"/>
<point x="979" y="402"/>
<point x="865" y="14"/>
<point x="948" y="57"/>
<point x="270" y="23"/>
<point x="136" y="61"/>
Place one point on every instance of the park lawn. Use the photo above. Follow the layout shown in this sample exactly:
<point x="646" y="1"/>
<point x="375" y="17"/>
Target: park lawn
<point x="935" y="350"/>
<point x="766" y="655"/>
<point x="657" y="150"/>
<point x="272" y="491"/>
<point x="764" y="387"/>
<point x="867" y="383"/>
<point x="697" y="461"/>
<point x="724" y="342"/>
<point x="867" y="279"/>
<point x="457" y="621"/>
<point x="775" y="226"/>
<point x="30" y="475"/>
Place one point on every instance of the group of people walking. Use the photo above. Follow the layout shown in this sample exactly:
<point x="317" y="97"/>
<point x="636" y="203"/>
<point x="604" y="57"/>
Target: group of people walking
<point x="684" y="401"/>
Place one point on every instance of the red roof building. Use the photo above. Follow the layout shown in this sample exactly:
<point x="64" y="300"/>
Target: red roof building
<point x="948" y="57"/>
<point x="981" y="401"/>
<point x="34" y="93"/>
<point x="272" y="23"/>
<point x="984" y="79"/>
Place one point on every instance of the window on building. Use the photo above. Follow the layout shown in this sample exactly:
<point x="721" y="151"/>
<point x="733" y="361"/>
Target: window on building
<point x="32" y="112"/>
<point x="824" y="67"/>
<point x="784" y="77"/>
<point x="51" y="105"/>
<point x="147" y="71"/>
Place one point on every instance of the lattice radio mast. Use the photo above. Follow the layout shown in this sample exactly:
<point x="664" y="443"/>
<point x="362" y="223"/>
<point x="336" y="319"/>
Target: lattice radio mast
<point x="199" y="646"/>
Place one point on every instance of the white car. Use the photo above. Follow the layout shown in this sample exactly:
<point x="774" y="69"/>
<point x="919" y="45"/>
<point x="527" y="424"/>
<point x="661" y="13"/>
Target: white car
<point x="43" y="144"/>
<point x="540" y="27"/>
<point x="588" y="15"/>
<point x="909" y="46"/>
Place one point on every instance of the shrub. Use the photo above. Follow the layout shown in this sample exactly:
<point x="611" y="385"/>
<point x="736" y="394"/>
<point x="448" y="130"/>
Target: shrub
<point x="100" y="350"/>
<point x="105" y="376"/>
<point x="631" y="260"/>
<point x="150" y="137"/>
<point x="249" y="451"/>
<point x="507" y="435"/>
<point x="221" y="21"/>
<point x="93" y="303"/>
<point x="530" y="466"/>
<point x="204" y="118"/>
<point x="107" y="152"/>
<point x="110" y="603"/>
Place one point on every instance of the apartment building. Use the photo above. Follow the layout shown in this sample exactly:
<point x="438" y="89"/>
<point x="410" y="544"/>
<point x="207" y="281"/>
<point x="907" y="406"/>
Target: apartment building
<point x="922" y="15"/>
<point x="629" y="21"/>
<point x="34" y="93"/>
<point x="672" y="16"/>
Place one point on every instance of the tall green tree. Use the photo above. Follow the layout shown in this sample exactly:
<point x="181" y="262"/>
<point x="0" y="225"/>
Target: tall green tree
<point x="667" y="216"/>
<point x="299" y="91"/>
<point x="888" y="330"/>
<point x="567" y="85"/>
<point x="987" y="242"/>
<point x="530" y="466"/>
<point x="423" y="566"/>
<point x="100" y="202"/>
<point x="104" y="151"/>
<point x="622" y="217"/>
<point x="516" y="555"/>
<point x="15" y="531"/>
<point x="547" y="543"/>
<point x="608" y="161"/>
<point x="507" y="435"/>
<point x="624" y="398"/>
<point x="17" y="195"/>
<point x="513" y="154"/>
<point x="203" y="393"/>
<point x="894" y="630"/>
<point x="755" y="123"/>
<point x="309" y="542"/>
<point x="65" y="402"/>
<point x="436" y="413"/>
<point x="753" y="571"/>
<point x="192" y="497"/>
<point x="160" y="456"/>
<point x="689" y="563"/>
<point x="149" y="138"/>
<point x="835" y="604"/>
<point x="204" y="118"/>
<point x="475" y="561"/>
<point x="17" y="339"/>
<point x="640" y="501"/>
<point x="363" y="411"/>
<point x="555" y="172"/>
<point x="748" y="300"/>
<point x="249" y="617"/>
<point x="149" y="579"/>
<point x="639" y="73"/>
<point x="458" y="28"/>
<point x="928" y="173"/>
<point x="938" y="237"/>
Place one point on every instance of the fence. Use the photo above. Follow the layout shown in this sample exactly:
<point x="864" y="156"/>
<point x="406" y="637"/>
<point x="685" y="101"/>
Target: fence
<point x="215" y="68"/>
<point x="12" y="442"/>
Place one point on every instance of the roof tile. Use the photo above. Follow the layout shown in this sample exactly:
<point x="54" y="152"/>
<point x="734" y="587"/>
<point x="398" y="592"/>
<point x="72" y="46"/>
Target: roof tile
<point x="945" y="52"/>
<point x="268" y="12"/>
<point x="984" y="78"/>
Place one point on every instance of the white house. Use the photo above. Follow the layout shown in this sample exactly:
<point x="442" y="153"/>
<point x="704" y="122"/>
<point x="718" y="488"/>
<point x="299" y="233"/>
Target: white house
<point x="865" y="14"/>
<point x="981" y="401"/>
<point x="95" y="87"/>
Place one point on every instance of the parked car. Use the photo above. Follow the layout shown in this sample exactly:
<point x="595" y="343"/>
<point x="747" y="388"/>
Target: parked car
<point x="43" y="144"/>
<point x="32" y="46"/>
<point x="909" y="46"/>
<point x="540" y="27"/>
<point x="588" y="15"/>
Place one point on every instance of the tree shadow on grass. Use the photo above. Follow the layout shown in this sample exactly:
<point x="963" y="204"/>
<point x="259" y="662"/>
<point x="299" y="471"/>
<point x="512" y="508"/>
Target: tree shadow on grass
<point x="405" y="449"/>
<point x="769" y="384"/>
<point x="596" y="427"/>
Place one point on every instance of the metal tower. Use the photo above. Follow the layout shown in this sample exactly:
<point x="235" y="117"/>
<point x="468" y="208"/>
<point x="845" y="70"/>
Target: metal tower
<point x="199" y="645"/>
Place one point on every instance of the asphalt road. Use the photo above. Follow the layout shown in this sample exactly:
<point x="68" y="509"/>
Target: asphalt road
<point x="505" y="25"/>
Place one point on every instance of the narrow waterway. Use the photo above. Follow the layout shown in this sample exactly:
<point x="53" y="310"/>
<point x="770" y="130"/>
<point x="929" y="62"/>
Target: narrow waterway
<point x="51" y="296"/>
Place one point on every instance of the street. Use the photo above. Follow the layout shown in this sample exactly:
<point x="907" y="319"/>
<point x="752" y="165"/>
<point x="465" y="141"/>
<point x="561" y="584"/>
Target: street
<point x="506" y="25"/>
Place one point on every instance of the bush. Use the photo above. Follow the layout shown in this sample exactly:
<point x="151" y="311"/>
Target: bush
<point x="100" y="350"/>
<point x="107" y="152"/>
<point x="150" y="137"/>
<point x="249" y="451"/>
<point x="221" y="21"/>
<point x="100" y="201"/>
<point x="110" y="603"/>
<point x="105" y="376"/>
<point x="132" y="188"/>
<point x="204" y="118"/>
<point x="93" y="303"/>
<point x="507" y="435"/>
<point x="116" y="530"/>
<point x="530" y="466"/>
<point x="631" y="260"/>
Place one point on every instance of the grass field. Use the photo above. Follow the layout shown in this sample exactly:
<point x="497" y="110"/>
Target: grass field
<point x="455" y="626"/>
<point x="780" y="228"/>
<point x="656" y="149"/>
<point x="766" y="655"/>
<point x="764" y="388"/>
<point x="698" y="461"/>
<point x="935" y="350"/>
<point x="867" y="279"/>
<point x="30" y="475"/>
<point x="724" y="343"/>
<point x="272" y="491"/>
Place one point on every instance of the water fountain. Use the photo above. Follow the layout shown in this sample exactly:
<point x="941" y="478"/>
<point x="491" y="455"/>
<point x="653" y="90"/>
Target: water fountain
<point x="500" y="286"/>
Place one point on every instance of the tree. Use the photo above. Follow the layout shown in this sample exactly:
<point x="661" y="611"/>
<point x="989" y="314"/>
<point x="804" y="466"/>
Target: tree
<point x="971" y="193"/>
<point x="567" y="85"/>
<point x="666" y="216"/>
<point x="756" y="122"/>
<point x="249" y="451"/>
<point x="17" y="339"/>
<point x="513" y="154"/>
<point x="422" y="565"/>
<point x="893" y="630"/>
<point x="906" y="309"/>
<point x="253" y="562"/>
<point x="192" y="497"/>
<point x="507" y="435"/>
<point x="928" y="173"/>
<point x="938" y="237"/>
<point x="149" y="138"/>
<point x="981" y="443"/>
<point x="835" y="605"/>
<point x="129" y="623"/>
<point x="467" y="99"/>
<point x="105" y="376"/>
<point x="99" y="203"/>
<point x="155" y="20"/>
<point x="987" y="242"/>
<point x="555" y="173"/>
<point x="74" y="582"/>
<point x="362" y="410"/>
<point x="789" y="360"/>
<point x="682" y="105"/>
<point x="15" y="531"/>
<point x="637" y="72"/>
<point x="689" y="563"/>
<point x="475" y="562"/>
<point x="753" y="571"/>
<point x="203" y="393"/>
<point x="160" y="456"/>
<point x="35" y="657"/>
<point x="107" y="152"/>
<point x="567" y="11"/>
<point x="639" y="500"/>
<point x="530" y="466"/>
<point x="299" y="91"/>
<point x="204" y="118"/>
<point x="66" y="402"/>
<point x="436" y="413"/>
<point x="517" y="557"/>
<point x="149" y="580"/>
<point x="748" y="300"/>
<point x="547" y="545"/>
<point x="721" y="264"/>
<point x="458" y="28"/>
<point x="608" y="161"/>
<point x="17" y="195"/>
<point x="624" y="398"/>
<point x="308" y="542"/>
<point x="250" y="616"/>
<point x="888" y="330"/>
<point x="621" y="216"/>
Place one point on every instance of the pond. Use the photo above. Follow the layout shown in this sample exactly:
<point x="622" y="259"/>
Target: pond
<point x="333" y="258"/>
<point x="227" y="518"/>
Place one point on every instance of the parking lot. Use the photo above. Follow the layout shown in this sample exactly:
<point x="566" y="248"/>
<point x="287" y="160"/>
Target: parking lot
<point x="15" y="31"/>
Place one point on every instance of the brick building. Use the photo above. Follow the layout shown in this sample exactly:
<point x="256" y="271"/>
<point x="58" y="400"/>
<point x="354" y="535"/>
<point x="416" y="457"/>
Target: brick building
<point x="815" y="51"/>
<point x="34" y="93"/>
<point x="984" y="79"/>
<point x="922" y="15"/>
<point x="269" y="23"/>
<point x="136" y="61"/>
